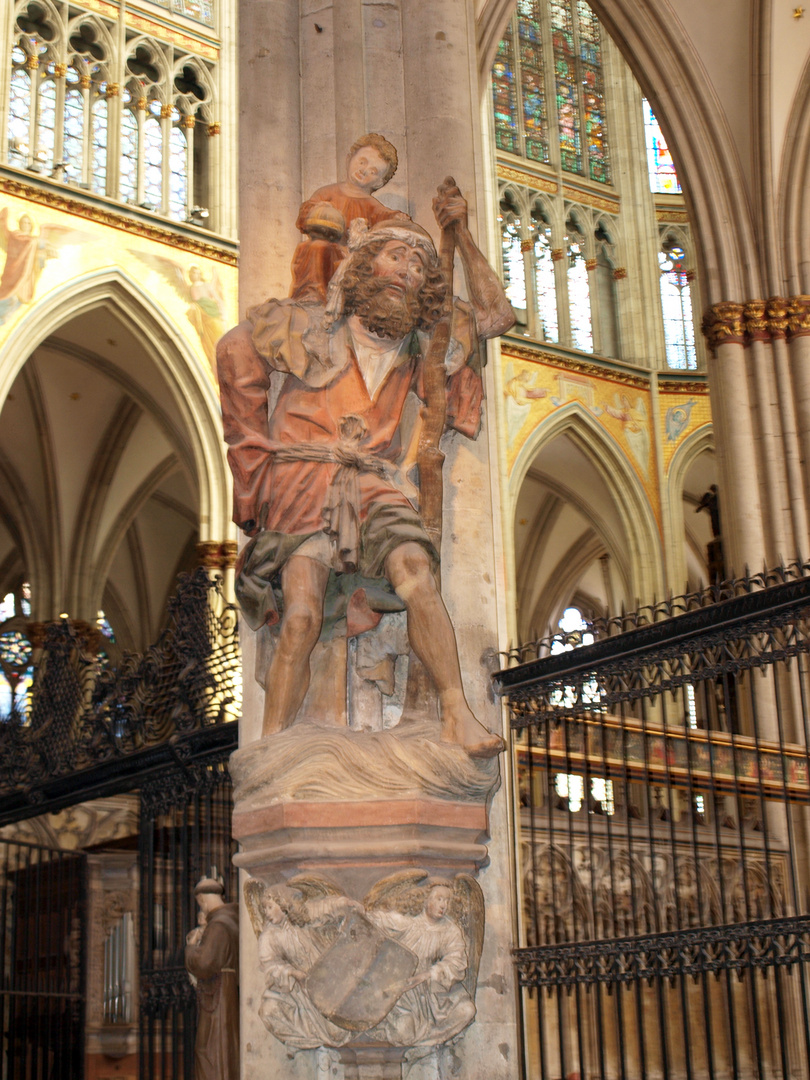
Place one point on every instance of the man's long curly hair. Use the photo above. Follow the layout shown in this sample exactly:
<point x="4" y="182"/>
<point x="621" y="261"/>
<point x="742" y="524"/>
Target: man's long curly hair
<point x="357" y="286"/>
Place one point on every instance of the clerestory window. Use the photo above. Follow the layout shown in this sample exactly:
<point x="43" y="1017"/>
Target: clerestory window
<point x="144" y="141"/>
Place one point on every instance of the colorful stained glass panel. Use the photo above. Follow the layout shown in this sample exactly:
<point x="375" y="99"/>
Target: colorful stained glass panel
<point x="661" y="167"/>
<point x="504" y="96"/>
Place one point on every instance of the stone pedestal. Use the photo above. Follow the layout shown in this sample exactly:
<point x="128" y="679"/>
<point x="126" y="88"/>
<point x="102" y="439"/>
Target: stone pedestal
<point x="414" y="812"/>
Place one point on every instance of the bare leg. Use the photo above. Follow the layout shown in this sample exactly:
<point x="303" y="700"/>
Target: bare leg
<point x="434" y="642"/>
<point x="303" y="582"/>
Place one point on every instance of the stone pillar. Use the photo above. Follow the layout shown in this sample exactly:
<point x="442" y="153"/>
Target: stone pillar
<point x="343" y="808"/>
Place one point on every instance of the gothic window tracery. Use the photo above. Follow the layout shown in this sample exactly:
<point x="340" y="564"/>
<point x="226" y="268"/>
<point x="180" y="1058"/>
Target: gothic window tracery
<point x="65" y="107"/>
<point x="559" y="276"/>
<point x="676" y="302"/>
<point x="547" y="76"/>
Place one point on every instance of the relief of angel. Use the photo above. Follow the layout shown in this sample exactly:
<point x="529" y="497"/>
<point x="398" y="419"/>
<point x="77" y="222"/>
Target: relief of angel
<point x="205" y="312"/>
<point x="27" y="251"/>
<point x="299" y="922"/>
<point x="441" y="922"/>
<point x="401" y="972"/>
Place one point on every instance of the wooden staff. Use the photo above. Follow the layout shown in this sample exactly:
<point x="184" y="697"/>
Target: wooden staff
<point x="429" y="457"/>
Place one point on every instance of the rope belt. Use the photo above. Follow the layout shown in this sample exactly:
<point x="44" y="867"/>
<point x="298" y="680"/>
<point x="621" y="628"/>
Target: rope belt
<point x="341" y="508"/>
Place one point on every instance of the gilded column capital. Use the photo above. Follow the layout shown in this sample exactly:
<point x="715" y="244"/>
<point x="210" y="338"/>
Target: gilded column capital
<point x="756" y="321"/>
<point x="557" y="254"/>
<point x="60" y="70"/>
<point x="187" y="121"/>
<point x="217" y="554"/>
<point x="723" y="324"/>
<point x="166" y="110"/>
<point x="213" y="129"/>
<point x="798" y="316"/>
<point x="620" y="273"/>
<point x="591" y="264"/>
<point x="526" y="245"/>
<point x="777" y="316"/>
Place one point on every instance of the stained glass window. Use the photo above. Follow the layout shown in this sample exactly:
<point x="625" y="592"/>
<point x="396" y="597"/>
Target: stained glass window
<point x="676" y="301"/>
<point x="73" y="127"/>
<point x="663" y="178"/>
<point x="532" y="81"/>
<point x="593" y="93"/>
<point x="16" y="669"/>
<point x="544" y="278"/>
<point x="46" y="125"/>
<point x="579" y="294"/>
<point x="63" y="103"/>
<point x="19" y="122"/>
<point x="153" y="160"/>
<point x="565" y="76"/>
<point x="200" y="10"/>
<point x="514" y="267"/>
<point x="128" y="182"/>
<point x="559" y="40"/>
<point x="178" y="180"/>
<point x="504" y="96"/>
<point x="98" y="177"/>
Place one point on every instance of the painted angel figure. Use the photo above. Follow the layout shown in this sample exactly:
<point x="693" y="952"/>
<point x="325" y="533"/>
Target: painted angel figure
<point x="441" y="921"/>
<point x="27" y="251"/>
<point x="296" y="924"/>
<point x="204" y="296"/>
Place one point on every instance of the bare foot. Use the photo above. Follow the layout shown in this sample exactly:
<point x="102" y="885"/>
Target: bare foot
<point x="459" y="726"/>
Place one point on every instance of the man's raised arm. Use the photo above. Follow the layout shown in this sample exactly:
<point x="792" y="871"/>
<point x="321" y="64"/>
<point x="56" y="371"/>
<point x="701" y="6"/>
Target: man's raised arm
<point x="493" y="312"/>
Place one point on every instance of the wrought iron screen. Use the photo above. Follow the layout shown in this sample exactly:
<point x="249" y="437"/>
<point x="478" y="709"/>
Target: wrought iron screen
<point x="42" y="951"/>
<point x="88" y="729"/>
<point x="663" y="827"/>
<point x="185" y="835"/>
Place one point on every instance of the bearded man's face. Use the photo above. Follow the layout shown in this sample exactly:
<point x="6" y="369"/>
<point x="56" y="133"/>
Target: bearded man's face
<point x="388" y="302"/>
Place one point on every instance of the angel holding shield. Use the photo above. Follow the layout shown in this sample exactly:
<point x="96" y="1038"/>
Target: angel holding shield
<point x="436" y="1003"/>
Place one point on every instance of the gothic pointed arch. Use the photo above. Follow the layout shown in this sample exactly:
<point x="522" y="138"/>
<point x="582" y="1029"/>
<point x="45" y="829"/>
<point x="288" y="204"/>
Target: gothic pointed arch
<point x="610" y="501"/>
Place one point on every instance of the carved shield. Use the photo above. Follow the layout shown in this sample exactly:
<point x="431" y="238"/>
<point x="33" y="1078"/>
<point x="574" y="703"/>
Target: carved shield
<point x="357" y="981"/>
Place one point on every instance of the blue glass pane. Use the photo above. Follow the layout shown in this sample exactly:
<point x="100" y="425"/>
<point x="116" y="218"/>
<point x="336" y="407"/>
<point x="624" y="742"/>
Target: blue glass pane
<point x="178" y="178"/>
<point x="19" y="112"/>
<point x="73" y="134"/>
<point x="99" y="147"/>
<point x="153" y="164"/>
<point x="676" y="301"/>
<point x="46" y="125"/>
<point x="129" y="156"/>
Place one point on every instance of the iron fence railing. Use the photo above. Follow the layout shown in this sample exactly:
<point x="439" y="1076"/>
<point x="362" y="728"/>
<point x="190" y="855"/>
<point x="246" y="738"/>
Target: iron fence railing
<point x="663" y="829"/>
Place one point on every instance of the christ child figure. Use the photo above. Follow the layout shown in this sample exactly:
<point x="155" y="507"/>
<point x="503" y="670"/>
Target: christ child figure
<point x="325" y="218"/>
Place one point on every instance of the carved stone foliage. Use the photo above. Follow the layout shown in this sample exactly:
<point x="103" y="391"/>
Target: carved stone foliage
<point x="757" y="320"/>
<point x="397" y="970"/>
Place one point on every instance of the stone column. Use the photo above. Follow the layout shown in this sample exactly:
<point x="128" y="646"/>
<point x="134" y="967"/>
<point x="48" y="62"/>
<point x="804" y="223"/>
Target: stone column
<point x="343" y="808"/>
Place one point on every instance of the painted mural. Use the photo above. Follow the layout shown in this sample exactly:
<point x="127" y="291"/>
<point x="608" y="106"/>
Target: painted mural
<point x="43" y="248"/>
<point x="534" y="391"/>
<point x="682" y="411"/>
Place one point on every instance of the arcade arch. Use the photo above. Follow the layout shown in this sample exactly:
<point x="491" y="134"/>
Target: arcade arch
<point x="110" y="431"/>
<point x="582" y="527"/>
